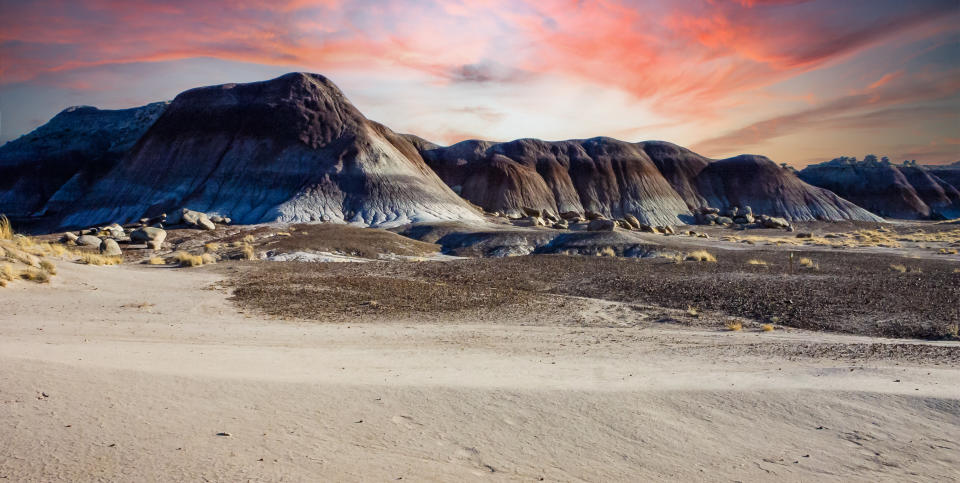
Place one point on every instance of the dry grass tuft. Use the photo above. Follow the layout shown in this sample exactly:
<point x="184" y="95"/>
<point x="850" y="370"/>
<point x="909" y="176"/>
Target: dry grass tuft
<point x="808" y="264"/>
<point x="6" y="229"/>
<point x="7" y="273"/>
<point x="156" y="261"/>
<point x="700" y="256"/>
<point x="248" y="252"/>
<point x="283" y="233"/>
<point x="756" y="261"/>
<point x="248" y="239"/>
<point x="606" y="252"/>
<point x="211" y="247"/>
<point x="49" y="267"/>
<point x="38" y="276"/>
<point x="898" y="268"/>
<point x="97" y="259"/>
<point x="185" y="259"/>
<point x="949" y="251"/>
<point x="208" y="259"/>
<point x="767" y="327"/>
<point x="734" y="326"/>
<point x="693" y="311"/>
<point x="952" y="331"/>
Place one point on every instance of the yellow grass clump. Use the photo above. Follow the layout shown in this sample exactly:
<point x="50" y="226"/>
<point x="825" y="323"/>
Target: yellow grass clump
<point x="208" y="259"/>
<point x="700" y="256"/>
<point x="756" y="262"/>
<point x="38" y="276"/>
<point x="767" y="327"/>
<point x="248" y="239"/>
<point x="211" y="247"/>
<point x="185" y="259"/>
<point x="248" y="252"/>
<point x="7" y="273"/>
<point x="156" y="261"/>
<point x="283" y="233"/>
<point x="734" y="326"/>
<point x="48" y="266"/>
<point x="6" y="229"/>
<point x="693" y="311"/>
<point x="949" y="251"/>
<point x="606" y="252"/>
<point x="808" y="264"/>
<point x="97" y="259"/>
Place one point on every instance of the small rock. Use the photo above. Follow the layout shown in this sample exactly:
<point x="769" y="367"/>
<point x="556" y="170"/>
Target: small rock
<point x="601" y="225"/>
<point x="224" y="434"/>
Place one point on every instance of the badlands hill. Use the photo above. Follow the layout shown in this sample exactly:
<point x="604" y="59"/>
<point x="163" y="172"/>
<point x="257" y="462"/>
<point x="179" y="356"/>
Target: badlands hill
<point x="58" y="161"/>
<point x="291" y="149"/>
<point x="899" y="191"/>
<point x="294" y="149"/>
<point x="660" y="183"/>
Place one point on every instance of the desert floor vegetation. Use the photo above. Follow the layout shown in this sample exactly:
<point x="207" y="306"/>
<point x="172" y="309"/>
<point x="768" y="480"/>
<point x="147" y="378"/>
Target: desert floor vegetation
<point x="700" y="256"/>
<point x="89" y="258"/>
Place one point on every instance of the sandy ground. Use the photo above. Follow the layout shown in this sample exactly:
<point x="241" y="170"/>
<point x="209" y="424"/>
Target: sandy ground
<point x="129" y="373"/>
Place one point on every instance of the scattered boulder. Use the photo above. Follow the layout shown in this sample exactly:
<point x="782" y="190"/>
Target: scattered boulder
<point x="707" y="210"/>
<point x="776" y="222"/>
<point x="115" y="231"/>
<point x="724" y="220"/>
<point x="197" y="219"/>
<point x="561" y="225"/>
<point x="571" y="215"/>
<point x="69" y="237"/>
<point x="804" y="235"/>
<point x="632" y="221"/>
<point x="667" y="230"/>
<point x="531" y="212"/>
<point x="535" y="221"/>
<point x="110" y="247"/>
<point x="747" y="210"/>
<point x="153" y="237"/>
<point x="88" y="241"/>
<point x="593" y="215"/>
<point x="601" y="224"/>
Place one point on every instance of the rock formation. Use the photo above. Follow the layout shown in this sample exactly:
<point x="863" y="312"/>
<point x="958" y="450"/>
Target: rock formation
<point x="897" y="191"/>
<point x="659" y="183"/>
<point x="54" y="165"/>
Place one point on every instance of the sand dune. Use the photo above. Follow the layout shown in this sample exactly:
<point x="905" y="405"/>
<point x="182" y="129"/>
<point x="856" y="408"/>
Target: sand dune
<point x="141" y="368"/>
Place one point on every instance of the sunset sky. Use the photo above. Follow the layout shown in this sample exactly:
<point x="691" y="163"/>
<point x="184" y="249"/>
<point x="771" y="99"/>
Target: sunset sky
<point x="799" y="81"/>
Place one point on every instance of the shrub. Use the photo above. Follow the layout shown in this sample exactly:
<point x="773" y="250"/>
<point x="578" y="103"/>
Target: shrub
<point x="185" y="259"/>
<point x="6" y="229"/>
<point x="37" y="276"/>
<point x="606" y="252"/>
<point x="700" y="256"/>
<point x="7" y="273"/>
<point x="49" y="267"/>
<point x="734" y="326"/>
<point x="97" y="259"/>
<point x="767" y="327"/>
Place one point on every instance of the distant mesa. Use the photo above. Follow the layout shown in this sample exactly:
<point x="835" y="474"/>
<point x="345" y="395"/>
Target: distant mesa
<point x="294" y="149"/>
<point x="908" y="191"/>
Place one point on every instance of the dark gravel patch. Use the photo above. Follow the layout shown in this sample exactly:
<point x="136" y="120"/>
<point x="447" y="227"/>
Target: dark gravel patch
<point x="849" y="292"/>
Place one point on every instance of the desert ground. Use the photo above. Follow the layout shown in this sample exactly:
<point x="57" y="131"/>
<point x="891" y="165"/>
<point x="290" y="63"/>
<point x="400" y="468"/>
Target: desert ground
<point x="535" y="368"/>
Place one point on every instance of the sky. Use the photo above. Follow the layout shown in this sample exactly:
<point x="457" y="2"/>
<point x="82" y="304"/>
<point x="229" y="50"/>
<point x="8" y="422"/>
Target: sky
<point x="800" y="81"/>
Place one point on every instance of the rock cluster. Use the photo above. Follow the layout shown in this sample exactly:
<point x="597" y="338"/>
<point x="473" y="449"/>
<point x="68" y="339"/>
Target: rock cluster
<point x="736" y="216"/>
